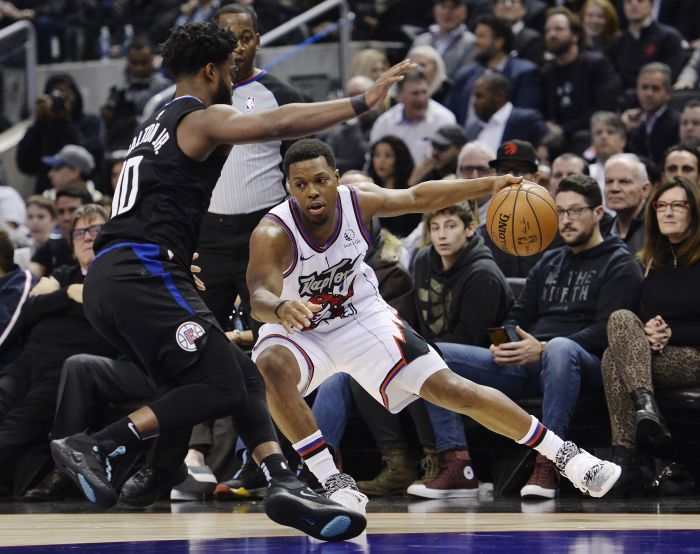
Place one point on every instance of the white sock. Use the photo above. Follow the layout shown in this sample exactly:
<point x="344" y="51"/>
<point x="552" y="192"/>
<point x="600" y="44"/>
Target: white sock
<point x="315" y="454"/>
<point x="542" y="439"/>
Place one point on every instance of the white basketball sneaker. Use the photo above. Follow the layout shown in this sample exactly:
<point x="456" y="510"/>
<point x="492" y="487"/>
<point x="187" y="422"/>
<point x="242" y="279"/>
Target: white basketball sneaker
<point x="588" y="473"/>
<point x="341" y="488"/>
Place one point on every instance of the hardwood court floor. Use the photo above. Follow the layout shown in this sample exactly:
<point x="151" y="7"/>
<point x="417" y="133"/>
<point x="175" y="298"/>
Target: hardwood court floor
<point x="570" y="524"/>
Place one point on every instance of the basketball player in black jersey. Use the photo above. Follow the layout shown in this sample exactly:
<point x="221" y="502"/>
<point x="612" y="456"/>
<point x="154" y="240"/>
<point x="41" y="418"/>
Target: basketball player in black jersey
<point x="139" y="293"/>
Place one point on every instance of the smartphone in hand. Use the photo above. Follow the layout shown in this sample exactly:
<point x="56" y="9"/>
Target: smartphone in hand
<point x="501" y="335"/>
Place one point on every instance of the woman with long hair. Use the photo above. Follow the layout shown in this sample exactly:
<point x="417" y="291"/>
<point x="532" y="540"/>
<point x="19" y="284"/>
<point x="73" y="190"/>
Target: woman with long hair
<point x="601" y="24"/>
<point x="659" y="347"/>
<point x="390" y="166"/>
<point x="431" y="61"/>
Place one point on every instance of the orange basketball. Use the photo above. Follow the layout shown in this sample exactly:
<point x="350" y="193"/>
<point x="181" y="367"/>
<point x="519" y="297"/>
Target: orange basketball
<point x="522" y="219"/>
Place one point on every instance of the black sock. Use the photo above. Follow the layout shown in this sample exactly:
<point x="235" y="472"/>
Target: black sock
<point x="275" y="466"/>
<point x="120" y="433"/>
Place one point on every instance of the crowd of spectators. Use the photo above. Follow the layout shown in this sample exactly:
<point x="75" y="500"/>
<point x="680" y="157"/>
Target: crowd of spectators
<point x="595" y="100"/>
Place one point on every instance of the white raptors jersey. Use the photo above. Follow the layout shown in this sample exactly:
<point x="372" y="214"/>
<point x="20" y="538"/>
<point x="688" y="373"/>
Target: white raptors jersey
<point x="332" y="275"/>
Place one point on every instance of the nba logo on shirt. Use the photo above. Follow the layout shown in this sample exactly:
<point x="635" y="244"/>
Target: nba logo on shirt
<point x="250" y="104"/>
<point x="187" y="335"/>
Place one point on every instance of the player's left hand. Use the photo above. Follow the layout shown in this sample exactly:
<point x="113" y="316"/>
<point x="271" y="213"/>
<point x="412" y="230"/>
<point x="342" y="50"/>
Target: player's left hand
<point x="502" y="181"/>
<point x="296" y="315"/>
<point x="525" y="351"/>
<point x="196" y="269"/>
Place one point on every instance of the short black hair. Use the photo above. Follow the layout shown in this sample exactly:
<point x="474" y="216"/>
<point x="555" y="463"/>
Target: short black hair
<point x="75" y="192"/>
<point x="496" y="83"/>
<point x="140" y="42"/>
<point x="237" y="8"/>
<point x="682" y="147"/>
<point x="308" y="149"/>
<point x="190" y="47"/>
<point x="500" y="28"/>
<point x="584" y="185"/>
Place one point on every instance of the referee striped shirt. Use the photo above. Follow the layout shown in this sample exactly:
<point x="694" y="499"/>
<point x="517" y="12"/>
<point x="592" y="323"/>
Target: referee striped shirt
<point x="252" y="178"/>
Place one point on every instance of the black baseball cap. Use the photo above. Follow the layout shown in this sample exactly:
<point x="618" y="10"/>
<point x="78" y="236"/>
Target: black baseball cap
<point x="518" y="151"/>
<point x="449" y="135"/>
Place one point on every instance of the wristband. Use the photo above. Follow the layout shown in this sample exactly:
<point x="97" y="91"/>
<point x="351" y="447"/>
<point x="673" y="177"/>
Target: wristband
<point x="359" y="104"/>
<point x="282" y="303"/>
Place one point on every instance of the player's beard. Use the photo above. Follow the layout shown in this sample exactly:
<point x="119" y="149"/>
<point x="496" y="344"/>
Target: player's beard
<point x="223" y="93"/>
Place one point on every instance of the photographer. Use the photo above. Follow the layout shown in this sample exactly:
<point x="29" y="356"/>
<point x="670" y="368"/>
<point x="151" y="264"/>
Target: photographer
<point x="59" y="121"/>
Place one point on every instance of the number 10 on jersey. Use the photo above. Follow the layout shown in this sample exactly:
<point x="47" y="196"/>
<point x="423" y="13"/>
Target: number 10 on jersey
<point x="127" y="186"/>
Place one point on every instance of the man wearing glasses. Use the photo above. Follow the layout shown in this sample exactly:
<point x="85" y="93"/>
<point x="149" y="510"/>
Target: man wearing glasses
<point x="54" y="326"/>
<point x="560" y="319"/>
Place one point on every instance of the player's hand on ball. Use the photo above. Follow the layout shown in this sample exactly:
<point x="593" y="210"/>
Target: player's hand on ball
<point x="296" y="315"/>
<point x="503" y="181"/>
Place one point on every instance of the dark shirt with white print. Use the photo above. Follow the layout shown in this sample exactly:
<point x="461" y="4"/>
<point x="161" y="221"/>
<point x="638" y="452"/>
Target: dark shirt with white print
<point x="572" y="295"/>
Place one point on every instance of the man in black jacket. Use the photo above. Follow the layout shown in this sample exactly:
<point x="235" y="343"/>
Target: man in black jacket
<point x="575" y="84"/>
<point x="653" y="127"/>
<point x="644" y="41"/>
<point x="55" y="327"/>
<point x="560" y="319"/>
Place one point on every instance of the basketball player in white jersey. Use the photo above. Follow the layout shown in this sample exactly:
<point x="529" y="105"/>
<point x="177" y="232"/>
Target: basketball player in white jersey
<point x="323" y="314"/>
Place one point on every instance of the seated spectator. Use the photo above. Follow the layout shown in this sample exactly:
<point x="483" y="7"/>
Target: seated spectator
<point x="600" y="24"/>
<point x="390" y="167"/>
<point x="141" y="78"/>
<point x="60" y="120"/>
<point x="350" y="139"/>
<point x="689" y="130"/>
<point x="472" y="163"/>
<point x="659" y="348"/>
<point x="449" y="35"/>
<point x="55" y="328"/>
<point x="626" y="189"/>
<point x="608" y="138"/>
<point x="516" y="157"/>
<point x="644" y="41"/>
<point x="414" y="118"/>
<point x="71" y="168"/>
<point x="562" y="336"/>
<point x="446" y="143"/>
<point x="652" y="127"/>
<point x="431" y="62"/>
<point x="565" y="166"/>
<point x="41" y="220"/>
<point x="575" y="82"/>
<point x="88" y="383"/>
<point x="527" y="42"/>
<point x="369" y="62"/>
<point x="15" y="284"/>
<point x="497" y="119"/>
<point x="494" y="42"/>
<point x="681" y="160"/>
<point x="56" y="250"/>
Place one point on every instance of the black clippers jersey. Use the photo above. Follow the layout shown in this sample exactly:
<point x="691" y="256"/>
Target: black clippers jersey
<point x="162" y="194"/>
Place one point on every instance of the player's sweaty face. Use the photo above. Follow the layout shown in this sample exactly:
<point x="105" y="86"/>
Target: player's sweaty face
<point x="313" y="184"/>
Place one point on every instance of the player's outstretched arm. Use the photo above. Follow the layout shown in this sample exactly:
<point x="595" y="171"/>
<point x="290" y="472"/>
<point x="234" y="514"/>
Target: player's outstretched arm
<point x="427" y="196"/>
<point x="296" y="120"/>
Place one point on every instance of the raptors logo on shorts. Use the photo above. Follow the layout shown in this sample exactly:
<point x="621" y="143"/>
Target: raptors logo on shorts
<point x="187" y="335"/>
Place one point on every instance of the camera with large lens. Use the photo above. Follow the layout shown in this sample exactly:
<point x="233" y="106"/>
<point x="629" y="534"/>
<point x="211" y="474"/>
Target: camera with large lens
<point x="58" y="101"/>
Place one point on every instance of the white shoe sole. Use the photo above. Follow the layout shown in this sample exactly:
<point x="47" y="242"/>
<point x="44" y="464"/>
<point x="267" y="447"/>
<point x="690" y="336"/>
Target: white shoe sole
<point x="351" y="499"/>
<point x="425" y="492"/>
<point x="535" y="491"/>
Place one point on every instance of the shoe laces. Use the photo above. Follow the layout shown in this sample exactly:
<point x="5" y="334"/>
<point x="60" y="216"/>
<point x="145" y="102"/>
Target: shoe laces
<point x="339" y="481"/>
<point x="430" y="466"/>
